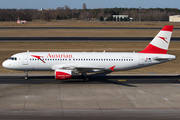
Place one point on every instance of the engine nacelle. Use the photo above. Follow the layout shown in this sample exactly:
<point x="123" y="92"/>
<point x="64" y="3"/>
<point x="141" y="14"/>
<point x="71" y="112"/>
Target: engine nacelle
<point x="63" y="74"/>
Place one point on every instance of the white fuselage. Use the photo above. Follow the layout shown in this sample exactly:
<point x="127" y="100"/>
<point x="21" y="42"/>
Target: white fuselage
<point x="50" y="61"/>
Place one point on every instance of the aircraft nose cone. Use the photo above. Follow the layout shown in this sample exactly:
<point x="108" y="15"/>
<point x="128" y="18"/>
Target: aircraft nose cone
<point x="5" y="64"/>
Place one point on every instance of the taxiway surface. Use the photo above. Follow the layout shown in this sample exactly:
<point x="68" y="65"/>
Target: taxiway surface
<point x="145" y="97"/>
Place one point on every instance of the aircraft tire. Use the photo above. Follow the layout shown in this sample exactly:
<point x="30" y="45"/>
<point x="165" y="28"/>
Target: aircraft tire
<point x="86" y="79"/>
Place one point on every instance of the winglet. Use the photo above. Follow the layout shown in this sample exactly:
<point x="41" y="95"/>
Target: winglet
<point x="160" y="43"/>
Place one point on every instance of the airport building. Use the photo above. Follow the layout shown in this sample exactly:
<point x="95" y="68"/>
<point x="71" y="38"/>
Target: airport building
<point x="174" y="18"/>
<point x="120" y="16"/>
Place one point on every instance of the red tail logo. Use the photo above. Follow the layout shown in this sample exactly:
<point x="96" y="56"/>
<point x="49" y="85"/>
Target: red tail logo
<point x="163" y="38"/>
<point x="38" y="57"/>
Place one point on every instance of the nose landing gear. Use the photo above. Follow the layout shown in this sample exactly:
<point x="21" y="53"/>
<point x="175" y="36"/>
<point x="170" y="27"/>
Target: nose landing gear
<point x="26" y="77"/>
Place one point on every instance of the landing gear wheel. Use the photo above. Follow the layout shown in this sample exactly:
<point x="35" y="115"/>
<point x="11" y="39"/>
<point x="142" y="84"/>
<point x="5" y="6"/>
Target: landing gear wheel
<point x="26" y="77"/>
<point x="85" y="79"/>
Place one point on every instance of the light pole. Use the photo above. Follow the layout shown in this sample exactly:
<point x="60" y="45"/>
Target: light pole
<point x="139" y="14"/>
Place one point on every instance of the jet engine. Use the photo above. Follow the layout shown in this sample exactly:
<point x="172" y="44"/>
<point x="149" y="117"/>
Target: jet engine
<point x="63" y="74"/>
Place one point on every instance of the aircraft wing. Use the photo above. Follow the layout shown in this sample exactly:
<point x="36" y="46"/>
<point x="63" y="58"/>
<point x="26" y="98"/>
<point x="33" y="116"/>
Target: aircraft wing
<point x="81" y="68"/>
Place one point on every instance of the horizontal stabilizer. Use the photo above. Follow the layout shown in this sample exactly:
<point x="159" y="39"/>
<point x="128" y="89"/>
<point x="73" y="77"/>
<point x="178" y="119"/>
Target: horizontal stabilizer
<point x="165" y="58"/>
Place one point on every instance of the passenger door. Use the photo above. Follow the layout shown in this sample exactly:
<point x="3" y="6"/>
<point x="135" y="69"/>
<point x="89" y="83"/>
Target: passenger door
<point x="25" y="60"/>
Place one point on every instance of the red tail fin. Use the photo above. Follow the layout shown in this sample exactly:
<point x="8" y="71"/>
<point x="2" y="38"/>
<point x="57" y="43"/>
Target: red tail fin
<point x="160" y="43"/>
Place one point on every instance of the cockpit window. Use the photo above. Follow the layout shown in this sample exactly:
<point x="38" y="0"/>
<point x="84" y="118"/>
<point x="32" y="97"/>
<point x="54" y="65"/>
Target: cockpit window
<point x="12" y="58"/>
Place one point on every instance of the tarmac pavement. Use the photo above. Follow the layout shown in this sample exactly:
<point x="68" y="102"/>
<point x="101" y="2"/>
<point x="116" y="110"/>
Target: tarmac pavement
<point x="45" y="98"/>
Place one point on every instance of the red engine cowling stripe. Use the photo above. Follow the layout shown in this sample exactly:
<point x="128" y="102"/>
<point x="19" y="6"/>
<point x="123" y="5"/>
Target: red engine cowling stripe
<point x="62" y="75"/>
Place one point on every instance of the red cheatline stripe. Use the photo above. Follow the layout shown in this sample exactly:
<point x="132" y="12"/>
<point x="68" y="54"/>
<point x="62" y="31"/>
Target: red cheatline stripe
<point x="168" y="28"/>
<point x="153" y="49"/>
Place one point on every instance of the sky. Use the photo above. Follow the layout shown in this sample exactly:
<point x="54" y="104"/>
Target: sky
<point x="91" y="4"/>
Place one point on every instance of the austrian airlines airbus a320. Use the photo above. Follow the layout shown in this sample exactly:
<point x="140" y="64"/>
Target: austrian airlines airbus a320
<point x="68" y="64"/>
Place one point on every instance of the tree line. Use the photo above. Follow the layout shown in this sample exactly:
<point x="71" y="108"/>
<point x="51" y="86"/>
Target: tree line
<point x="151" y="14"/>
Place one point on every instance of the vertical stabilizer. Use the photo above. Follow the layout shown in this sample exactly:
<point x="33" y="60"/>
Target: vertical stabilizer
<point x="160" y="43"/>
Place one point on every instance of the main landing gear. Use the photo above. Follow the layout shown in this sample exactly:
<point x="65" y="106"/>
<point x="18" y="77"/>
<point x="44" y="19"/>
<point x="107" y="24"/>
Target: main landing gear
<point x="85" y="78"/>
<point x="26" y="77"/>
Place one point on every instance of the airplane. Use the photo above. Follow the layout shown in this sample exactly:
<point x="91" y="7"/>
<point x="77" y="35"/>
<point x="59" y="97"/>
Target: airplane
<point x="68" y="64"/>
